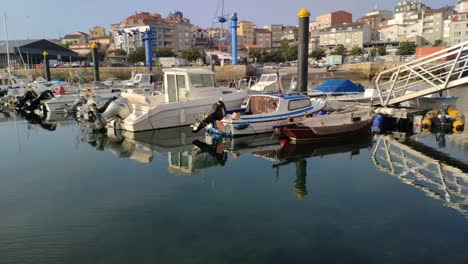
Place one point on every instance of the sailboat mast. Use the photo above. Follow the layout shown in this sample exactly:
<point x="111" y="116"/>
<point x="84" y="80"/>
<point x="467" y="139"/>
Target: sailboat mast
<point x="7" y="48"/>
<point x="222" y="24"/>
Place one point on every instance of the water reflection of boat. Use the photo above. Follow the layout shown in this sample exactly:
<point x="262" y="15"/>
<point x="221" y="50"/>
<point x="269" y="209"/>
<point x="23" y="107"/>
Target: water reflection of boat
<point x="183" y="157"/>
<point x="291" y="151"/>
<point x="281" y="153"/>
<point x="6" y="115"/>
<point x="434" y="173"/>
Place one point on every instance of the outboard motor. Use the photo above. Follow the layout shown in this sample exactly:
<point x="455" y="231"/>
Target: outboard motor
<point x="3" y="92"/>
<point x="103" y="108"/>
<point x="35" y="103"/>
<point x="29" y="95"/>
<point x="218" y="113"/>
<point x="119" y="108"/>
<point x="31" y="101"/>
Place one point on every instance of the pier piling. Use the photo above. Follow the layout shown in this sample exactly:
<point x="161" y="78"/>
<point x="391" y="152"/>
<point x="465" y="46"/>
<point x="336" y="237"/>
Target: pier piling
<point x="303" y="47"/>
<point x="94" y="48"/>
<point x="46" y="65"/>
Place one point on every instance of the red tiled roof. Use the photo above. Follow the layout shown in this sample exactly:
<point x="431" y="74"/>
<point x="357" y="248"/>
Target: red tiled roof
<point x="456" y="19"/>
<point x="253" y="46"/>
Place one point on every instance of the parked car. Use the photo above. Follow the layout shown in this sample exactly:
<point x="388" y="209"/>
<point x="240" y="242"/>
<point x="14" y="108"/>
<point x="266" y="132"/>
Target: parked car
<point x="76" y="64"/>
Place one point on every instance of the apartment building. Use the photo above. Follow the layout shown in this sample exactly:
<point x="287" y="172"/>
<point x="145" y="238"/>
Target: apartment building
<point x="314" y="36"/>
<point x="348" y="35"/>
<point x="201" y="39"/>
<point x="462" y="6"/>
<point x="245" y="33"/>
<point x="376" y="18"/>
<point x="97" y="32"/>
<point x="75" y="38"/>
<point x="407" y="10"/>
<point x="262" y="38"/>
<point x="433" y="24"/>
<point x="333" y="19"/>
<point x="459" y="28"/>
<point x="167" y="33"/>
<point x="276" y="35"/>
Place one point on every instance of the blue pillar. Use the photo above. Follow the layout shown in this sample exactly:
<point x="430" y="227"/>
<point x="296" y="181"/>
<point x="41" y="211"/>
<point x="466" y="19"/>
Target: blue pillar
<point x="147" y="38"/>
<point x="234" y="38"/>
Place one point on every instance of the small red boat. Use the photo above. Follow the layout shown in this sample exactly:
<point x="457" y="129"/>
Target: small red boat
<point x="346" y="123"/>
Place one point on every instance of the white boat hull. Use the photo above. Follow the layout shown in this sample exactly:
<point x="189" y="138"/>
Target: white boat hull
<point x="145" y="117"/>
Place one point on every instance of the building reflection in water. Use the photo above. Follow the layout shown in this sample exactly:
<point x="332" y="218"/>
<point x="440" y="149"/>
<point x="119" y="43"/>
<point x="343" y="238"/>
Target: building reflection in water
<point x="436" y="174"/>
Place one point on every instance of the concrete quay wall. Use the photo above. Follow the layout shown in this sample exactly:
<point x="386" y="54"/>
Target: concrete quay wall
<point x="368" y="70"/>
<point x="223" y="73"/>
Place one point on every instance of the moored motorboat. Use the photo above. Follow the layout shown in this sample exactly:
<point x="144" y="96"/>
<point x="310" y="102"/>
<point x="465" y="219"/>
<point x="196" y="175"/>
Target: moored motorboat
<point x="263" y="112"/>
<point x="346" y="123"/>
<point x="187" y="94"/>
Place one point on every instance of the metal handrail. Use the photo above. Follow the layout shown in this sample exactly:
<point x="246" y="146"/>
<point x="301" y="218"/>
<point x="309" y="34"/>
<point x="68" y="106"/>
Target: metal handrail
<point x="424" y="76"/>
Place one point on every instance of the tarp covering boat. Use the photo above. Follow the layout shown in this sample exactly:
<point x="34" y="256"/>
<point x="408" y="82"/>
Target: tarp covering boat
<point x="339" y="87"/>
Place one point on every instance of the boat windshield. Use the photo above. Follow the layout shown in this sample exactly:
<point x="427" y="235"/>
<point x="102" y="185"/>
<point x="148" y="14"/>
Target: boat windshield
<point x="202" y="80"/>
<point x="268" y="78"/>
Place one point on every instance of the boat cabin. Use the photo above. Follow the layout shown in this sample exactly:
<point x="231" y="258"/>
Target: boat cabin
<point x="181" y="84"/>
<point x="272" y="103"/>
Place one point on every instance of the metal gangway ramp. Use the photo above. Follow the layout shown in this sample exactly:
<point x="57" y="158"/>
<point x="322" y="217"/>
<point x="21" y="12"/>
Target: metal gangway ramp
<point x="436" y="72"/>
<point x="434" y="178"/>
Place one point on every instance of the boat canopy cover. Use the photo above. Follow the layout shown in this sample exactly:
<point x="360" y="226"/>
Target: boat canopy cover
<point x="339" y="86"/>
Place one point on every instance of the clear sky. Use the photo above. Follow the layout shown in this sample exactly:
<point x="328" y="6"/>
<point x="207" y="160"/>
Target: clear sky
<point x="54" y="18"/>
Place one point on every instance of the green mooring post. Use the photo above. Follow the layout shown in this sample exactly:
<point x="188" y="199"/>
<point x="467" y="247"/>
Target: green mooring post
<point x="94" y="51"/>
<point x="46" y="65"/>
<point x="303" y="48"/>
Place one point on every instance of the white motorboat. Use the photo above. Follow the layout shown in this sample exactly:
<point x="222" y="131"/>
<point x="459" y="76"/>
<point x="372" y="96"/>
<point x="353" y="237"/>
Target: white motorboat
<point x="265" y="111"/>
<point x="268" y="83"/>
<point x="186" y="95"/>
<point x="61" y="102"/>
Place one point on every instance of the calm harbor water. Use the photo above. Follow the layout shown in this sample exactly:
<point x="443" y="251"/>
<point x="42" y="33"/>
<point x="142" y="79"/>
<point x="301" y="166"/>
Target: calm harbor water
<point x="68" y="195"/>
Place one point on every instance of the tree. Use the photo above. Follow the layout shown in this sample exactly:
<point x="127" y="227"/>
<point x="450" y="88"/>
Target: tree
<point x="138" y="55"/>
<point x="318" y="54"/>
<point x="274" y="56"/>
<point x="438" y="43"/>
<point x="254" y="54"/>
<point x="373" y="52"/>
<point x="339" y="50"/>
<point x="356" y="51"/>
<point x="191" y="54"/>
<point x="406" y="48"/>
<point x="288" y="52"/>
<point x="382" y="51"/>
<point x="164" y="52"/>
<point x="68" y="44"/>
<point x="101" y="52"/>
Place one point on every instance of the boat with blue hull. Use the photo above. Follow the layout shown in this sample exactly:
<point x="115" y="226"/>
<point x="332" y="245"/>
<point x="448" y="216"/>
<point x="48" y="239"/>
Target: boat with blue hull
<point x="264" y="111"/>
